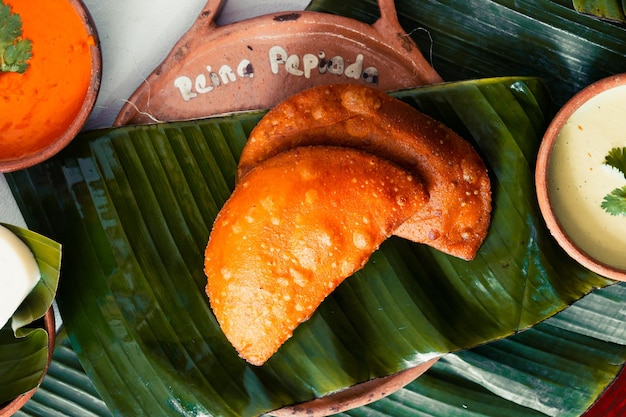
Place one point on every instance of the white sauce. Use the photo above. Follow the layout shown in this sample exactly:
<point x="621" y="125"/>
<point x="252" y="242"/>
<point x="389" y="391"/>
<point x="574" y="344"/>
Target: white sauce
<point x="19" y="273"/>
<point x="579" y="180"/>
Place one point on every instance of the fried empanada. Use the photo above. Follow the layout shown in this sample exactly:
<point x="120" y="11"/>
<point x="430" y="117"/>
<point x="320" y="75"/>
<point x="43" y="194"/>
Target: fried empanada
<point x="457" y="217"/>
<point x="295" y="227"/>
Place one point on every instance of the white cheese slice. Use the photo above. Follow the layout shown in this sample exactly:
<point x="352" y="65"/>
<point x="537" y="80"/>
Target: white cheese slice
<point x="19" y="273"/>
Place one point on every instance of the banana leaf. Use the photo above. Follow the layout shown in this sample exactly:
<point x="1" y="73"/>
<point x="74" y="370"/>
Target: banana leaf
<point x="452" y="387"/>
<point x="24" y="340"/>
<point x="134" y="206"/>
<point x="467" y="39"/>
<point x="66" y="390"/>
<point x="611" y="10"/>
<point x="491" y="38"/>
<point x="545" y="38"/>
<point x="529" y="374"/>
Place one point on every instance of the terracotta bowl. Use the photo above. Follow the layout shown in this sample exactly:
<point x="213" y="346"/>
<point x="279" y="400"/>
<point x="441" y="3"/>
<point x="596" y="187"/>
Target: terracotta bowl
<point x="572" y="179"/>
<point x="13" y="406"/>
<point x="356" y="396"/>
<point x="49" y="133"/>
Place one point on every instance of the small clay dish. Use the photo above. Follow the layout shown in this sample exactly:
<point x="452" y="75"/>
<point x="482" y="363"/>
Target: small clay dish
<point x="46" y="106"/>
<point x="10" y="408"/>
<point x="573" y="179"/>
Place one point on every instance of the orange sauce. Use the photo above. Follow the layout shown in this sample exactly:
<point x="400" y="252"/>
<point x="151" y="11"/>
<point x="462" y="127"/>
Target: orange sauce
<point x="38" y="106"/>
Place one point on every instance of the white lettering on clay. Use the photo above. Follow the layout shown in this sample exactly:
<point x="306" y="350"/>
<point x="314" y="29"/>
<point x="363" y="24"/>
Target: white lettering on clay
<point x="278" y="57"/>
<point x="204" y="83"/>
<point x="189" y="88"/>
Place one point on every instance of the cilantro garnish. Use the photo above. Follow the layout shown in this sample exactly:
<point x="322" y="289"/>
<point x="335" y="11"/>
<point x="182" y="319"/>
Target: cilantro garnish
<point x="617" y="159"/>
<point x="614" y="203"/>
<point x="14" y="51"/>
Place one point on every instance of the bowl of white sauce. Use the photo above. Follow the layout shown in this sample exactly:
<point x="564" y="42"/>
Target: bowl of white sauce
<point x="581" y="179"/>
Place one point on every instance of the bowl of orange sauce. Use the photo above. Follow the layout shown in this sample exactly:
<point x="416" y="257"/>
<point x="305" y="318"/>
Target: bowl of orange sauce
<point x="43" y="108"/>
<point x="581" y="177"/>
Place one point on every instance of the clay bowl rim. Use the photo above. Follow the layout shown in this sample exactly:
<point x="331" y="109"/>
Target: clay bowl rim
<point x="54" y="147"/>
<point x="17" y="403"/>
<point x="541" y="177"/>
<point x="356" y="396"/>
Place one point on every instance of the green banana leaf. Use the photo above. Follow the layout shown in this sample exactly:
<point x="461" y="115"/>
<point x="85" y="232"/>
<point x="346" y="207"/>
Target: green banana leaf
<point x="519" y="376"/>
<point x="545" y="38"/>
<point x="611" y="10"/>
<point x="134" y="206"/>
<point x="456" y="385"/>
<point x="469" y="39"/>
<point x="24" y="340"/>
<point x="66" y="390"/>
<point x="557" y="368"/>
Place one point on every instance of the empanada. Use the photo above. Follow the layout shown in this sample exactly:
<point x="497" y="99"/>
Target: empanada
<point x="457" y="217"/>
<point x="295" y="227"/>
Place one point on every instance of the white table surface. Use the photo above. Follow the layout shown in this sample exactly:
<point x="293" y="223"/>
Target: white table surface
<point x="135" y="36"/>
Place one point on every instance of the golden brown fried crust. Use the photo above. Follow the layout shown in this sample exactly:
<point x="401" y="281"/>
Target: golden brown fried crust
<point x="457" y="217"/>
<point x="294" y="228"/>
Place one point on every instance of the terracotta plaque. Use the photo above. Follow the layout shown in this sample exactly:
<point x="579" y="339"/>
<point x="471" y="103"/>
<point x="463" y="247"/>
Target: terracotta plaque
<point x="256" y="63"/>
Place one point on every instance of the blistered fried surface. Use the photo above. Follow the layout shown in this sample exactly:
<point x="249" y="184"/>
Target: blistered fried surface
<point x="457" y="217"/>
<point x="294" y="228"/>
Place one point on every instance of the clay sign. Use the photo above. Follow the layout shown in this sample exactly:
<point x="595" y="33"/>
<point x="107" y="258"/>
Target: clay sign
<point x="256" y="63"/>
